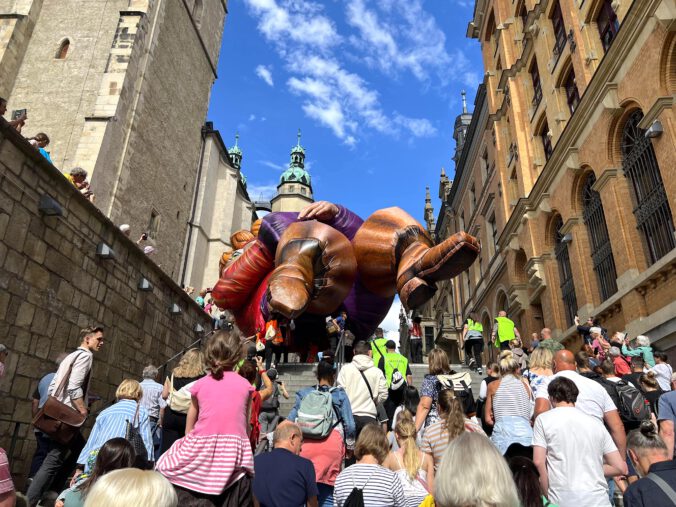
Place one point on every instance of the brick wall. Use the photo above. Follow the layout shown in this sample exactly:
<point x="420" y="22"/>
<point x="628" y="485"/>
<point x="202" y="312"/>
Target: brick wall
<point x="52" y="284"/>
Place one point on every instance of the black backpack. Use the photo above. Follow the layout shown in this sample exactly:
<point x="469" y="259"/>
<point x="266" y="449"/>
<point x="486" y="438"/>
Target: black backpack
<point x="633" y="406"/>
<point x="356" y="496"/>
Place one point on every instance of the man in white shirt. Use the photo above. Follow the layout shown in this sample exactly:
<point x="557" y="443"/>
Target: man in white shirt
<point x="153" y="402"/>
<point x="573" y="451"/>
<point x="593" y="399"/>
<point x="74" y="374"/>
<point x="662" y="370"/>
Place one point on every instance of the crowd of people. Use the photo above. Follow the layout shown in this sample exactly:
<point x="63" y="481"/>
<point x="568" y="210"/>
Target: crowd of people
<point x="549" y="428"/>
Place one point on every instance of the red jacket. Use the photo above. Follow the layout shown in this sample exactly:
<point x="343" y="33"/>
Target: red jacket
<point x="621" y="366"/>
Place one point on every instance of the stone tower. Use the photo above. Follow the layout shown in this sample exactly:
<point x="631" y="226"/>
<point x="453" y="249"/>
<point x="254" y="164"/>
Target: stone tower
<point x="122" y="89"/>
<point x="294" y="191"/>
<point x="462" y="122"/>
<point x="429" y="213"/>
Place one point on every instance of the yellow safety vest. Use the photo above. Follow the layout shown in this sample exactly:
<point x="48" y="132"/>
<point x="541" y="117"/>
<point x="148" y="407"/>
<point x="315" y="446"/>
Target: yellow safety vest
<point x="474" y="326"/>
<point x="378" y="346"/>
<point x="394" y="360"/>
<point x="505" y="330"/>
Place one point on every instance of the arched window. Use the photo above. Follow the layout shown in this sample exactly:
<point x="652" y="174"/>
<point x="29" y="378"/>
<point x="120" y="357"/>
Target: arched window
<point x="651" y="207"/>
<point x="565" y="272"/>
<point x="63" y="50"/>
<point x="602" y="253"/>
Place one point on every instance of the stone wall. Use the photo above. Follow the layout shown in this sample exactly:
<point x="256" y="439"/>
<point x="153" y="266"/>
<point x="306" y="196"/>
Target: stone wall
<point x="52" y="284"/>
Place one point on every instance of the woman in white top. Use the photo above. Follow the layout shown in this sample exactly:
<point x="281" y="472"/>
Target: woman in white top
<point x="414" y="468"/>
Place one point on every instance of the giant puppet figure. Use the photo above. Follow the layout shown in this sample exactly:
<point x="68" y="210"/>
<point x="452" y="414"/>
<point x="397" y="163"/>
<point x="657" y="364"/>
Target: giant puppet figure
<point x="308" y="265"/>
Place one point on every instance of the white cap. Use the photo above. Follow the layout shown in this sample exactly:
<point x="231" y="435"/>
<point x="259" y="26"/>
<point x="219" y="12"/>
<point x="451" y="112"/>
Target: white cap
<point x="594" y="330"/>
<point x="124" y="227"/>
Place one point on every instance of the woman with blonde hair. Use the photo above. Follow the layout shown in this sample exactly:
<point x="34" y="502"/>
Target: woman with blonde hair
<point x="540" y="367"/>
<point x="427" y="412"/>
<point x="130" y="486"/>
<point x="112" y="423"/>
<point x="451" y="424"/>
<point x="485" y="481"/>
<point x="414" y="468"/>
<point x="509" y="406"/>
<point x="189" y="369"/>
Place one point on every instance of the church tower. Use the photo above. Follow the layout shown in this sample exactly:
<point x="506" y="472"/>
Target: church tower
<point x="294" y="191"/>
<point x="462" y="122"/>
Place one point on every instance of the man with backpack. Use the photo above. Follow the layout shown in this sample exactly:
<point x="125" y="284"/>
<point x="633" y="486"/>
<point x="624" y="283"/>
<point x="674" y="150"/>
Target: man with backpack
<point x="269" y="414"/>
<point x="473" y="342"/>
<point x="504" y="331"/>
<point x="631" y="404"/>
<point x="365" y="386"/>
<point x="394" y="366"/>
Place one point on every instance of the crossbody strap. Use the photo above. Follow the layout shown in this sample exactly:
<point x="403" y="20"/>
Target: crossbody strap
<point x="662" y="484"/>
<point x="368" y="387"/>
<point x="58" y="392"/>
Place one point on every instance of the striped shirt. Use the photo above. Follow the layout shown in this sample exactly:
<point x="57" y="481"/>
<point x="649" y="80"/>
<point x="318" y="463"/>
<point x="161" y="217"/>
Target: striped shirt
<point x="152" y="399"/>
<point x="381" y="487"/>
<point x="112" y="423"/>
<point x="511" y="399"/>
<point x="435" y="438"/>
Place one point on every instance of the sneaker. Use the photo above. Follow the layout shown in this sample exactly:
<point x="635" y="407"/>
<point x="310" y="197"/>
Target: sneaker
<point x="479" y="371"/>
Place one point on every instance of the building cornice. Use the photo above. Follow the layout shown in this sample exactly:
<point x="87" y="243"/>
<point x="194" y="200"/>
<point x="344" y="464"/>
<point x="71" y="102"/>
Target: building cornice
<point x="655" y="111"/>
<point x="606" y="177"/>
<point x="601" y="88"/>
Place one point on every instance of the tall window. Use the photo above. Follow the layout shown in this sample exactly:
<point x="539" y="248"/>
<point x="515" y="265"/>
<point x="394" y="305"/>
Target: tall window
<point x="472" y="194"/>
<point x="546" y="141"/>
<point x="565" y="273"/>
<point x="493" y="235"/>
<point x="608" y="24"/>
<point x="559" y="29"/>
<point x="651" y="207"/>
<point x="63" y="50"/>
<point x="537" y="86"/>
<point x="602" y="253"/>
<point x="153" y="224"/>
<point x="572" y="95"/>
<point x="484" y="166"/>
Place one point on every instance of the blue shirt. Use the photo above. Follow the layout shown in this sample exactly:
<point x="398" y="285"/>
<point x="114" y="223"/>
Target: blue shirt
<point x="283" y="479"/>
<point x="645" y="493"/>
<point x="342" y="407"/>
<point x="43" y="388"/>
<point x="112" y="423"/>
<point x="152" y="399"/>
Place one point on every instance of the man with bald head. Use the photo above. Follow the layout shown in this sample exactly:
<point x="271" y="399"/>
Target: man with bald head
<point x="283" y="478"/>
<point x="593" y="399"/>
<point x="547" y="342"/>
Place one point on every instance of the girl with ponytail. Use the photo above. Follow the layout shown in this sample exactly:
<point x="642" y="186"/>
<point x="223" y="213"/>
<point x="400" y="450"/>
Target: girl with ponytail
<point x="414" y="468"/>
<point x="216" y="442"/>
<point x="452" y="423"/>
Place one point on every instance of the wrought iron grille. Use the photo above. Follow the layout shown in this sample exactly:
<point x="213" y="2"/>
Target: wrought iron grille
<point x="602" y="253"/>
<point x="565" y="274"/>
<point x="651" y="206"/>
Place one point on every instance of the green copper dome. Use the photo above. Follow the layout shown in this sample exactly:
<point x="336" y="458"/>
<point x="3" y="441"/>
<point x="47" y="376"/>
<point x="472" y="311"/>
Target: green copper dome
<point x="295" y="175"/>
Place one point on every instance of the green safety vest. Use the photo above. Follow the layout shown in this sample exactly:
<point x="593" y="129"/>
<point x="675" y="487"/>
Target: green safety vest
<point x="505" y="329"/>
<point x="377" y="346"/>
<point x="474" y="326"/>
<point x="394" y="360"/>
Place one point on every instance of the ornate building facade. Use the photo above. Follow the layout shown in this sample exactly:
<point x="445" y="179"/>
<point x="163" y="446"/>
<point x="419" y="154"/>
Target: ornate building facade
<point x="567" y="170"/>
<point x="222" y="208"/>
<point x="122" y="89"/>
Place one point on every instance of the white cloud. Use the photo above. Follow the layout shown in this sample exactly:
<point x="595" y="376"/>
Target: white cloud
<point x="265" y="74"/>
<point x="272" y="165"/>
<point x="252" y="117"/>
<point x="261" y="192"/>
<point x="386" y="37"/>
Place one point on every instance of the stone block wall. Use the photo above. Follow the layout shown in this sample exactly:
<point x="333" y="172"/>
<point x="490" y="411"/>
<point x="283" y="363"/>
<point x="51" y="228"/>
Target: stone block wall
<point x="52" y="284"/>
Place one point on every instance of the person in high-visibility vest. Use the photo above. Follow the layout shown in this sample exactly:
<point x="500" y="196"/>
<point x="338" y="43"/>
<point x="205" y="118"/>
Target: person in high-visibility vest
<point x="378" y="345"/>
<point x="389" y="362"/>
<point x="473" y="342"/>
<point x="504" y="331"/>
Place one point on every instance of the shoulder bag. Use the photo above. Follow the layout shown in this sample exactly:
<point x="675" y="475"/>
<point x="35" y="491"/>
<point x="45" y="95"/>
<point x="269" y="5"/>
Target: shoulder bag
<point x="381" y="413"/>
<point x="59" y="421"/>
<point x="133" y="435"/>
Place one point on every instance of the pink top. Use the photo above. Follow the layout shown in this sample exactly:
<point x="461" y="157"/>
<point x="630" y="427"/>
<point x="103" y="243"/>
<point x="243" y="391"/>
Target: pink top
<point x="222" y="405"/>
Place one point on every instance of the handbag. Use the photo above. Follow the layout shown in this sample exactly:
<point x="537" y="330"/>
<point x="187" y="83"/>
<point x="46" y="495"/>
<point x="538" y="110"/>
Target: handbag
<point x="59" y="421"/>
<point x="133" y="435"/>
<point x="179" y="401"/>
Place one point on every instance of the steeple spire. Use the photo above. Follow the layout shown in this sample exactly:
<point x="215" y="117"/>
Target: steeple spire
<point x="464" y="102"/>
<point x="298" y="145"/>
<point x="236" y="139"/>
<point x="429" y="213"/>
<point x="236" y="154"/>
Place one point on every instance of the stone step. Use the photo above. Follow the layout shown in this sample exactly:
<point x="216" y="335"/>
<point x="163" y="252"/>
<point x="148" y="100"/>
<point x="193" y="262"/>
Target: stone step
<point x="296" y="376"/>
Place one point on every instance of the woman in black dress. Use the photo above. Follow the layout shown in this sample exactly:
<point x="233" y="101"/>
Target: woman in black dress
<point x="190" y="368"/>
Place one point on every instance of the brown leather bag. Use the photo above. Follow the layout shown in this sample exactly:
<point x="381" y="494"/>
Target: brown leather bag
<point x="59" y="421"/>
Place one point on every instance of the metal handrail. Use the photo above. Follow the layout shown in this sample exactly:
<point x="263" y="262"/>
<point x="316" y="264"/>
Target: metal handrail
<point x="164" y="365"/>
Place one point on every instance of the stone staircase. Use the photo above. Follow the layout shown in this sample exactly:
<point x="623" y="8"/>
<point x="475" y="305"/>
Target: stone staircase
<point x="299" y="375"/>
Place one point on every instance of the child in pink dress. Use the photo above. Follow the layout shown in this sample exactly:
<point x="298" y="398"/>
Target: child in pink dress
<point x="213" y="462"/>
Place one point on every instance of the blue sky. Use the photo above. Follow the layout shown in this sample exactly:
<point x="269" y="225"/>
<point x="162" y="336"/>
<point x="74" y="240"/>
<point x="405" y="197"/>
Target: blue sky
<point x="374" y="87"/>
